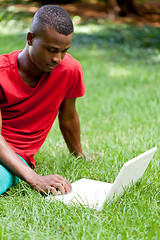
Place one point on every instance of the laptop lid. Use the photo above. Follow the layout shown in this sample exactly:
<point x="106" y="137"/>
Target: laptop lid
<point x="130" y="173"/>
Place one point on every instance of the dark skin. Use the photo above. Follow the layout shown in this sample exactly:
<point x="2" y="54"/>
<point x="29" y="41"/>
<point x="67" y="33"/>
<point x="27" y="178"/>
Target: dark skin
<point x="42" y="53"/>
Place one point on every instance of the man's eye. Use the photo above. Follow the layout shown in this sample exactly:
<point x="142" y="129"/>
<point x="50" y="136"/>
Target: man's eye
<point x="52" y="50"/>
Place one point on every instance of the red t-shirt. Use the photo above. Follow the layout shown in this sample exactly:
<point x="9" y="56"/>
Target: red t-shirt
<point x="28" y="113"/>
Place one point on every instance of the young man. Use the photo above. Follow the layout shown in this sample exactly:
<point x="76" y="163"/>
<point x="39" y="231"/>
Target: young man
<point x="36" y="84"/>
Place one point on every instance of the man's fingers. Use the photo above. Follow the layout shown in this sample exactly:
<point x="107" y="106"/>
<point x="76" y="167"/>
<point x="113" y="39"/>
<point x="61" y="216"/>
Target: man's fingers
<point x="64" y="183"/>
<point x="51" y="184"/>
<point x="53" y="191"/>
<point x="67" y="186"/>
<point x="61" y="188"/>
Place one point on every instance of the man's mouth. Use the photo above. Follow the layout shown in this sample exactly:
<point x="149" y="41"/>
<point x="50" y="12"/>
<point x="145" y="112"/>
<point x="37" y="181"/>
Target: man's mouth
<point x="52" y="66"/>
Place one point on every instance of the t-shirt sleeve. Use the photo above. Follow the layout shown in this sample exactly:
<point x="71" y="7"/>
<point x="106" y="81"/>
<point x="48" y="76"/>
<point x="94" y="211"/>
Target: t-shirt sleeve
<point x="77" y="85"/>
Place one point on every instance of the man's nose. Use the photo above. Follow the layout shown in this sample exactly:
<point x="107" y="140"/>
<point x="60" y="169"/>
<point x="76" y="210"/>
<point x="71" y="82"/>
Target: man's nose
<point x="57" y="57"/>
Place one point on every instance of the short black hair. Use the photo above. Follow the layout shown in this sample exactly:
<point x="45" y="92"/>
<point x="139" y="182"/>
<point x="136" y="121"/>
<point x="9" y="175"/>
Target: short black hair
<point x="52" y="16"/>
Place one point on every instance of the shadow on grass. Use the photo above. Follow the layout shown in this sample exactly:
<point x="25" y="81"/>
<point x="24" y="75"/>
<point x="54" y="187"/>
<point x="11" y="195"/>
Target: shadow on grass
<point x="128" y="41"/>
<point x="121" y="35"/>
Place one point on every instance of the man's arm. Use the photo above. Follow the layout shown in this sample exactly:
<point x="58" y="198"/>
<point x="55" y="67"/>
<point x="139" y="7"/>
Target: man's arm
<point x="10" y="160"/>
<point x="70" y="126"/>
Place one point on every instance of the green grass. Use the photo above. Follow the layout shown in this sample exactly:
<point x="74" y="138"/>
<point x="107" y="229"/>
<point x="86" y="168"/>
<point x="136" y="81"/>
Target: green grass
<point x="119" y="119"/>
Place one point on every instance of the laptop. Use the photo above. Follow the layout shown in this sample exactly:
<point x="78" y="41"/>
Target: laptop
<point x="94" y="194"/>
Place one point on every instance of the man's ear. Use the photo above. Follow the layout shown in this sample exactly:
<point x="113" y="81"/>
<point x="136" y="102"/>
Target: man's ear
<point x="30" y="37"/>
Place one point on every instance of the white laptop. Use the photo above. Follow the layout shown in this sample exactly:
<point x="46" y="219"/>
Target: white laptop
<point x="94" y="194"/>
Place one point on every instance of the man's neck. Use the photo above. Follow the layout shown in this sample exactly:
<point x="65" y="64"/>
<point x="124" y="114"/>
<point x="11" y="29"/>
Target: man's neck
<point x="27" y="70"/>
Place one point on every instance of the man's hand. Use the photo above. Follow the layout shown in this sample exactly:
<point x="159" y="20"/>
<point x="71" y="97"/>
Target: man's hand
<point x="51" y="184"/>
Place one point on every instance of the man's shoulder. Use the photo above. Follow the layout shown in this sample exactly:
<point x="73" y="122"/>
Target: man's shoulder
<point x="70" y="62"/>
<point x="6" y="60"/>
<point x="68" y="57"/>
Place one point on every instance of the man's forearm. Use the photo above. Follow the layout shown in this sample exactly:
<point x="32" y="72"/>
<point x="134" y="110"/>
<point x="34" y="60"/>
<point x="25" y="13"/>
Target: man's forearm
<point x="10" y="160"/>
<point x="71" y="132"/>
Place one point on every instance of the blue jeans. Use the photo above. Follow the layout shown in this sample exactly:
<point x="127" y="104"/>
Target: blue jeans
<point x="7" y="179"/>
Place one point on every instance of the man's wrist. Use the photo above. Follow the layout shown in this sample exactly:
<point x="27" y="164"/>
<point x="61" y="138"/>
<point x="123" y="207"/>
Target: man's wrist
<point x="32" y="178"/>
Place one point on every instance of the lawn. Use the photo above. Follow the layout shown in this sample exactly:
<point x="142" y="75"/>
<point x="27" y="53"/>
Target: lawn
<point x="119" y="118"/>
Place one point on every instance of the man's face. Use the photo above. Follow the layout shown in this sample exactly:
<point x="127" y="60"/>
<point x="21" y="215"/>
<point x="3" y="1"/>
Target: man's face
<point x="48" y="49"/>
